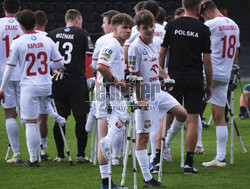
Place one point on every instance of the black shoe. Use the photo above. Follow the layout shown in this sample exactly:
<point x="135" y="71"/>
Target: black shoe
<point x="45" y="157"/>
<point x="190" y="170"/>
<point x="155" y="169"/>
<point x="29" y="164"/>
<point x="153" y="184"/>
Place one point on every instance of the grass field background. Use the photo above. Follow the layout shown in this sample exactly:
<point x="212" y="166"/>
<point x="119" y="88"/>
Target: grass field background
<point x="86" y="176"/>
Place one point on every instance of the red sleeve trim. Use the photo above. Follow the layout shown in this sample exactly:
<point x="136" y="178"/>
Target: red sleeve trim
<point x="103" y="65"/>
<point x="126" y="45"/>
<point x="57" y="60"/>
<point x="133" y="72"/>
<point x="11" y="65"/>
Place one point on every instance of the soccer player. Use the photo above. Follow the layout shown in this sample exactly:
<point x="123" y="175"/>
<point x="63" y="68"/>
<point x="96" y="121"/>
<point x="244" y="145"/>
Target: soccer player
<point x="41" y="22"/>
<point x="10" y="30"/>
<point x="143" y="61"/>
<point x="71" y="92"/>
<point x="187" y="38"/>
<point x="32" y="52"/>
<point x="225" y="44"/>
<point x="111" y="65"/>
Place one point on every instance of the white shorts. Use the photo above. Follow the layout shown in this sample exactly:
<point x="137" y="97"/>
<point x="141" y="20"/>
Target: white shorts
<point x="219" y="94"/>
<point x="42" y="108"/>
<point x="93" y="108"/>
<point x="12" y="95"/>
<point x="147" y="121"/>
<point x="117" y="102"/>
<point x="30" y="99"/>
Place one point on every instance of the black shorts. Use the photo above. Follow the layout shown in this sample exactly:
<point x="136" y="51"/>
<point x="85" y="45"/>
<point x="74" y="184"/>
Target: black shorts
<point x="71" y="94"/>
<point x="192" y="92"/>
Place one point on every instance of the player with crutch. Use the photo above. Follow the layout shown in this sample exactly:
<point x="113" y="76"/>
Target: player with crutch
<point x="225" y="44"/>
<point x="151" y="100"/>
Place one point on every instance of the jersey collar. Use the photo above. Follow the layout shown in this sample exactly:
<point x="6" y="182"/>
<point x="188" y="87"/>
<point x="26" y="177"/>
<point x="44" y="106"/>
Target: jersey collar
<point x="143" y="40"/>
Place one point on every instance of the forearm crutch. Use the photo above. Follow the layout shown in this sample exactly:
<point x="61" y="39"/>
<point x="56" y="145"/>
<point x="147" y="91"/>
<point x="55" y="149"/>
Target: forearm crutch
<point x="182" y="141"/>
<point x="162" y="145"/>
<point x="134" y="157"/>
<point x="40" y="145"/>
<point x="96" y="143"/>
<point x="236" y="128"/>
<point x="8" y="152"/>
<point x="92" y="145"/>
<point x="63" y="136"/>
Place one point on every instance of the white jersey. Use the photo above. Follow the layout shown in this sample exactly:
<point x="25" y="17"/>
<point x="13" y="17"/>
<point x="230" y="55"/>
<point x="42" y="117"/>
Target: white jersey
<point x="143" y="60"/>
<point x="9" y="31"/>
<point x="111" y="55"/>
<point x="42" y="32"/>
<point x="33" y="52"/>
<point x="159" y="32"/>
<point x="225" y="41"/>
<point x="101" y="41"/>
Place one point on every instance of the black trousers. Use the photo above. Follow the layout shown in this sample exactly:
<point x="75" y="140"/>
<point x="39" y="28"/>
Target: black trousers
<point x="71" y="95"/>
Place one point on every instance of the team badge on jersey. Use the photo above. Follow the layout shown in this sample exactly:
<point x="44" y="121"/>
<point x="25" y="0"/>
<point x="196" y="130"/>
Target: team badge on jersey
<point x="144" y="52"/>
<point x="11" y="20"/>
<point x="153" y="68"/>
<point x="147" y="124"/>
<point x="33" y="38"/>
<point x="67" y="29"/>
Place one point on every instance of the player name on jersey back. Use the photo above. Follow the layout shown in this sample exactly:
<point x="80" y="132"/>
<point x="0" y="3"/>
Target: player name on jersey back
<point x="11" y="27"/>
<point x="65" y="36"/>
<point x="35" y="45"/>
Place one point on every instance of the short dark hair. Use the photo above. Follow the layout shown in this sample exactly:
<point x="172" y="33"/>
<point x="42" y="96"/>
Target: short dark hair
<point x="138" y="6"/>
<point x="179" y="11"/>
<point x="144" y="17"/>
<point x="11" y="6"/>
<point x="122" y="18"/>
<point x="208" y="5"/>
<point x="27" y="19"/>
<point x="190" y="4"/>
<point x="72" y="14"/>
<point x="109" y="14"/>
<point x="152" y="6"/>
<point x="162" y="16"/>
<point x="41" y="18"/>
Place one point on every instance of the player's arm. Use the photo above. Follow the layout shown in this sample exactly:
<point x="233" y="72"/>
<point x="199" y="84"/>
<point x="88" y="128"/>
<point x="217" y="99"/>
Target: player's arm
<point x="235" y="61"/>
<point x="108" y="76"/>
<point x="162" y="56"/>
<point x="209" y="75"/>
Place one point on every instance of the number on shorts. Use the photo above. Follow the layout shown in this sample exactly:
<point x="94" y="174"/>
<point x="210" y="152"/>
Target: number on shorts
<point x="32" y="58"/>
<point x="6" y="39"/>
<point x="231" y="48"/>
<point x="68" y="47"/>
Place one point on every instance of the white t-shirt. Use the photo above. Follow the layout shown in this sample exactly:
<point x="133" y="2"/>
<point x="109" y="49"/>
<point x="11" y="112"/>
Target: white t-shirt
<point x="9" y="30"/>
<point x="111" y="55"/>
<point x="225" y="41"/>
<point x="33" y="52"/>
<point x="143" y="60"/>
<point x="159" y="32"/>
<point x="98" y="46"/>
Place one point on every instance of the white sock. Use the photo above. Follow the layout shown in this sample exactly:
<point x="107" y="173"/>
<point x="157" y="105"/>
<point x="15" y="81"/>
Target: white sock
<point x="90" y="125"/>
<point x="32" y="141"/>
<point x="44" y="142"/>
<point x="174" y="129"/>
<point x="143" y="161"/>
<point x="222" y="135"/>
<point x="117" y="145"/>
<point x="104" y="170"/>
<point x="13" y="135"/>
<point x="199" y="139"/>
<point x="152" y="136"/>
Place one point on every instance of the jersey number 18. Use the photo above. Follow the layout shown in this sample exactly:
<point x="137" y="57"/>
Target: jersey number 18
<point x="231" y="48"/>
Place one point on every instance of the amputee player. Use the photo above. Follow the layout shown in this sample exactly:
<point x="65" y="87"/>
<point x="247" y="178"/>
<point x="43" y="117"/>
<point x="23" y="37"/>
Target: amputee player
<point x="71" y="92"/>
<point x="225" y="44"/>
<point x="108" y="31"/>
<point x="41" y="22"/>
<point x="111" y="65"/>
<point x="187" y="38"/>
<point x="143" y="61"/>
<point x="244" y="105"/>
<point x="32" y="52"/>
<point x="10" y="30"/>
